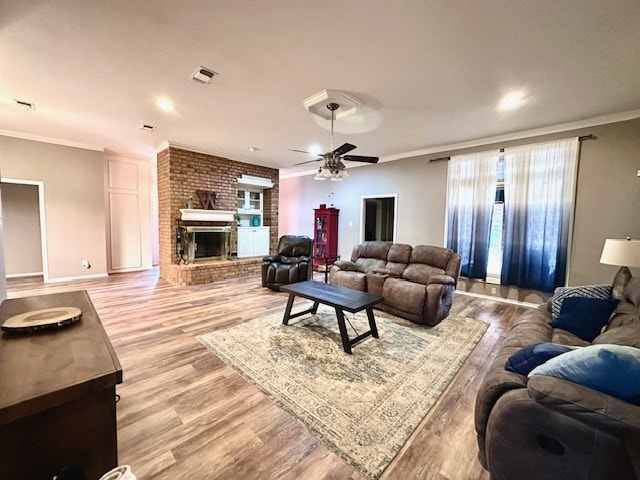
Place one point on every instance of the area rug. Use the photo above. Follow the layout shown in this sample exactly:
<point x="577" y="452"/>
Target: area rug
<point x="364" y="406"/>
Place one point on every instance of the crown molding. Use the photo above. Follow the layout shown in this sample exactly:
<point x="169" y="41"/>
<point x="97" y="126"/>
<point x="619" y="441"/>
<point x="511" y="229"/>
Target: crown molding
<point x="115" y="153"/>
<point x="561" y="127"/>
<point x="55" y="141"/>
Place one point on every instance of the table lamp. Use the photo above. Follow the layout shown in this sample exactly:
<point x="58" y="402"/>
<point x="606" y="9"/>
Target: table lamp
<point x="623" y="252"/>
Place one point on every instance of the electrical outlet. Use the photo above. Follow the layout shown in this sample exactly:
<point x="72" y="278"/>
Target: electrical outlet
<point x="351" y="224"/>
<point x="493" y="290"/>
<point x="86" y="264"/>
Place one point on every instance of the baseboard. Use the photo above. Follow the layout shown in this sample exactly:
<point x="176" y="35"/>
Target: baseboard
<point x="127" y="270"/>
<point x="20" y="275"/>
<point x="76" y="278"/>
<point x="499" y="299"/>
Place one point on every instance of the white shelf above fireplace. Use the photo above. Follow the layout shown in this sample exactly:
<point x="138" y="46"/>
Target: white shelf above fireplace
<point x="201" y="215"/>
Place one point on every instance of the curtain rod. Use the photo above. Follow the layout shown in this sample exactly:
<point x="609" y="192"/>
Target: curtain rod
<point x="580" y="139"/>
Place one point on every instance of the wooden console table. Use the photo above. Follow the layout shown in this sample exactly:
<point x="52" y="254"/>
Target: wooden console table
<point x="57" y="393"/>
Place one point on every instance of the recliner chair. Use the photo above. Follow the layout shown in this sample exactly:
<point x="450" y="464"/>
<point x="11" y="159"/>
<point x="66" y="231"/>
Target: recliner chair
<point x="292" y="264"/>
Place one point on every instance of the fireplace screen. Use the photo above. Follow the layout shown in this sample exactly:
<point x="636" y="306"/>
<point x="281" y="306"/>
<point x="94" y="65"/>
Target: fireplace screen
<point x="207" y="243"/>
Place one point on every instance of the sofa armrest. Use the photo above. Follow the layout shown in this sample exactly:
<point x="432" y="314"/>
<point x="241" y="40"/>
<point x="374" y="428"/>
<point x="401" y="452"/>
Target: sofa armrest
<point x="345" y="265"/>
<point x="385" y="271"/>
<point x="271" y="258"/>
<point x="584" y="404"/>
<point x="441" y="280"/>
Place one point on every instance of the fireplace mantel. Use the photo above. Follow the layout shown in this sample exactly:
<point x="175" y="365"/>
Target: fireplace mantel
<point x="201" y="215"/>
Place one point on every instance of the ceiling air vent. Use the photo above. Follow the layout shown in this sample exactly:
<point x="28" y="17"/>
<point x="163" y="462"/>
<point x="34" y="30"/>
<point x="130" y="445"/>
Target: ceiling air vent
<point x="203" y="75"/>
<point x="25" y="105"/>
<point x="147" y="128"/>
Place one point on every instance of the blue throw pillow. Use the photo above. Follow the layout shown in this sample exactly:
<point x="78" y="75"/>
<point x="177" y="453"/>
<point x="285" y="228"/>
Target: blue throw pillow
<point x="610" y="369"/>
<point x="529" y="357"/>
<point x="584" y="317"/>
<point x="589" y="291"/>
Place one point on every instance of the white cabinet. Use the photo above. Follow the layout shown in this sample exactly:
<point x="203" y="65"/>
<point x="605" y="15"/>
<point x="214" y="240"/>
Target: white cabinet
<point x="249" y="204"/>
<point x="253" y="241"/>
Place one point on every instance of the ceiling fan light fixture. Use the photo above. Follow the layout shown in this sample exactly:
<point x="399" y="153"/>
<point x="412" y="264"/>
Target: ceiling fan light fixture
<point x="319" y="175"/>
<point x="339" y="175"/>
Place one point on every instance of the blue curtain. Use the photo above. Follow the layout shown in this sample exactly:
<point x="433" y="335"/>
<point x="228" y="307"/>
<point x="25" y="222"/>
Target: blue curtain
<point x="471" y="191"/>
<point x="539" y="186"/>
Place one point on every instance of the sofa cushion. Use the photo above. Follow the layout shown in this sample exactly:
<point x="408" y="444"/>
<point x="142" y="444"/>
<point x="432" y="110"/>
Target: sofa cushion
<point x="404" y="295"/>
<point x="347" y="279"/>
<point x="584" y="317"/>
<point x="368" y="264"/>
<point x="610" y="369"/>
<point x="420" y="273"/>
<point x="427" y="254"/>
<point x="628" y="334"/>
<point x="531" y="356"/>
<point x="399" y="253"/>
<point x="588" y="291"/>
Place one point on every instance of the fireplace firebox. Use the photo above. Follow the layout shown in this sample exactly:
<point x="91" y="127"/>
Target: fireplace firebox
<point x="207" y="243"/>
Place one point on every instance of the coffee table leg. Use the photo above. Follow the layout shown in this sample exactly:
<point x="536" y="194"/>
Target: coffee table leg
<point x="372" y="323"/>
<point x="314" y="309"/>
<point x="287" y="312"/>
<point x="343" y="331"/>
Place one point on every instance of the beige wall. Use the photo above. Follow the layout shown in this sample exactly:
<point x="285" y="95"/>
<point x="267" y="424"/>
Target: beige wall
<point x="414" y="180"/>
<point x="74" y="201"/>
<point x="22" y="246"/>
<point x="608" y="195"/>
<point x="3" y="284"/>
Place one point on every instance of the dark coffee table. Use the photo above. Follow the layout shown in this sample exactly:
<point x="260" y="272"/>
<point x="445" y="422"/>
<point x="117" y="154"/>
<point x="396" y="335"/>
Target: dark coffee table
<point x="340" y="298"/>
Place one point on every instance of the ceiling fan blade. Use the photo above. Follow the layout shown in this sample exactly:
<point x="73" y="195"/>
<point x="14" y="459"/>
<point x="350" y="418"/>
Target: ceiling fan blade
<point x="308" y="161"/>
<point x="344" y="148"/>
<point x="301" y="151"/>
<point x="360" y="158"/>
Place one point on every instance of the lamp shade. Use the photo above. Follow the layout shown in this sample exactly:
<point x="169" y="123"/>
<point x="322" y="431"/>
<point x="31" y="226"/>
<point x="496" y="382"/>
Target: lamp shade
<point x="621" y="252"/>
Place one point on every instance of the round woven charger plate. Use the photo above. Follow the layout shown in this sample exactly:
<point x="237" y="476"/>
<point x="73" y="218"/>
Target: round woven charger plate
<point x="40" y="319"/>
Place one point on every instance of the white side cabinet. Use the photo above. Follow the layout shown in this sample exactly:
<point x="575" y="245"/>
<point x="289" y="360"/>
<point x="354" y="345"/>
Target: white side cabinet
<point x="253" y="241"/>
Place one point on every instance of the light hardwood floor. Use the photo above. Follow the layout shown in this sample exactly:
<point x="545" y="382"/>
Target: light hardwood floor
<point x="185" y="414"/>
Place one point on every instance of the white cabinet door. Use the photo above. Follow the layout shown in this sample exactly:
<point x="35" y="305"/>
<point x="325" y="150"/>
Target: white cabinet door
<point x="245" y="242"/>
<point x="253" y="242"/>
<point x="261" y="241"/>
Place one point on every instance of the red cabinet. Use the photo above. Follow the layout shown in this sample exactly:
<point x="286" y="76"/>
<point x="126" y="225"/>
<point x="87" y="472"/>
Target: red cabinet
<point x="325" y="236"/>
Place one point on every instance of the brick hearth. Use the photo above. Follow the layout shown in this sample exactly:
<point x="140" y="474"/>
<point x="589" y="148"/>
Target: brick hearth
<point x="180" y="173"/>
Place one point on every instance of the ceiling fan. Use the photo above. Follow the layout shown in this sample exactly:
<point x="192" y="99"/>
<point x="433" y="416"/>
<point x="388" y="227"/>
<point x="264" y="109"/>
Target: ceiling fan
<point x="333" y="167"/>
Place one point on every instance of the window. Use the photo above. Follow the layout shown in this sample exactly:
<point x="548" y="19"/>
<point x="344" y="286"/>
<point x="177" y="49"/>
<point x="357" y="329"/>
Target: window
<point x="519" y="235"/>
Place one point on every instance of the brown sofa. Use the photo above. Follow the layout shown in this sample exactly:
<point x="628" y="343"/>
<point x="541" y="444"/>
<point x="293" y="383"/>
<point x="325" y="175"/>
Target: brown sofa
<point x="417" y="283"/>
<point x="547" y="428"/>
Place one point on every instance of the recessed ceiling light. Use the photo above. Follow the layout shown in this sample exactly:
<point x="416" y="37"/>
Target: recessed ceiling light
<point x="164" y="104"/>
<point x="147" y="128"/>
<point x="511" y="100"/>
<point x="253" y="149"/>
<point x="24" y="104"/>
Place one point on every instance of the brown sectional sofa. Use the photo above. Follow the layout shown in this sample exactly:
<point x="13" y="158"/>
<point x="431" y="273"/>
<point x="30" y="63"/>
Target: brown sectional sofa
<point x="417" y="283"/>
<point x="546" y="428"/>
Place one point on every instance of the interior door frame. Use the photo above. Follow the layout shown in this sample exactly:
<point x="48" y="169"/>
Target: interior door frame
<point x="43" y="220"/>
<point x="363" y="200"/>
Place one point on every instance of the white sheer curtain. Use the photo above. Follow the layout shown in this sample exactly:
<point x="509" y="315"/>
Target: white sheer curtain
<point x="471" y="192"/>
<point x="539" y="187"/>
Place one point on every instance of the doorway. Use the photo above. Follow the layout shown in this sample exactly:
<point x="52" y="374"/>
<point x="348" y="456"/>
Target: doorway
<point x="24" y="236"/>
<point x="378" y="215"/>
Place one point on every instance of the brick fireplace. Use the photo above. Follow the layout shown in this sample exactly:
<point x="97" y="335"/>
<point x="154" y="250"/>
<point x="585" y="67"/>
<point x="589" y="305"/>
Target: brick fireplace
<point x="181" y="173"/>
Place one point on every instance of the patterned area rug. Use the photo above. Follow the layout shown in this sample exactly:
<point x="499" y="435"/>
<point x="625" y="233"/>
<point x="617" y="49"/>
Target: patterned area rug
<point x="363" y="406"/>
